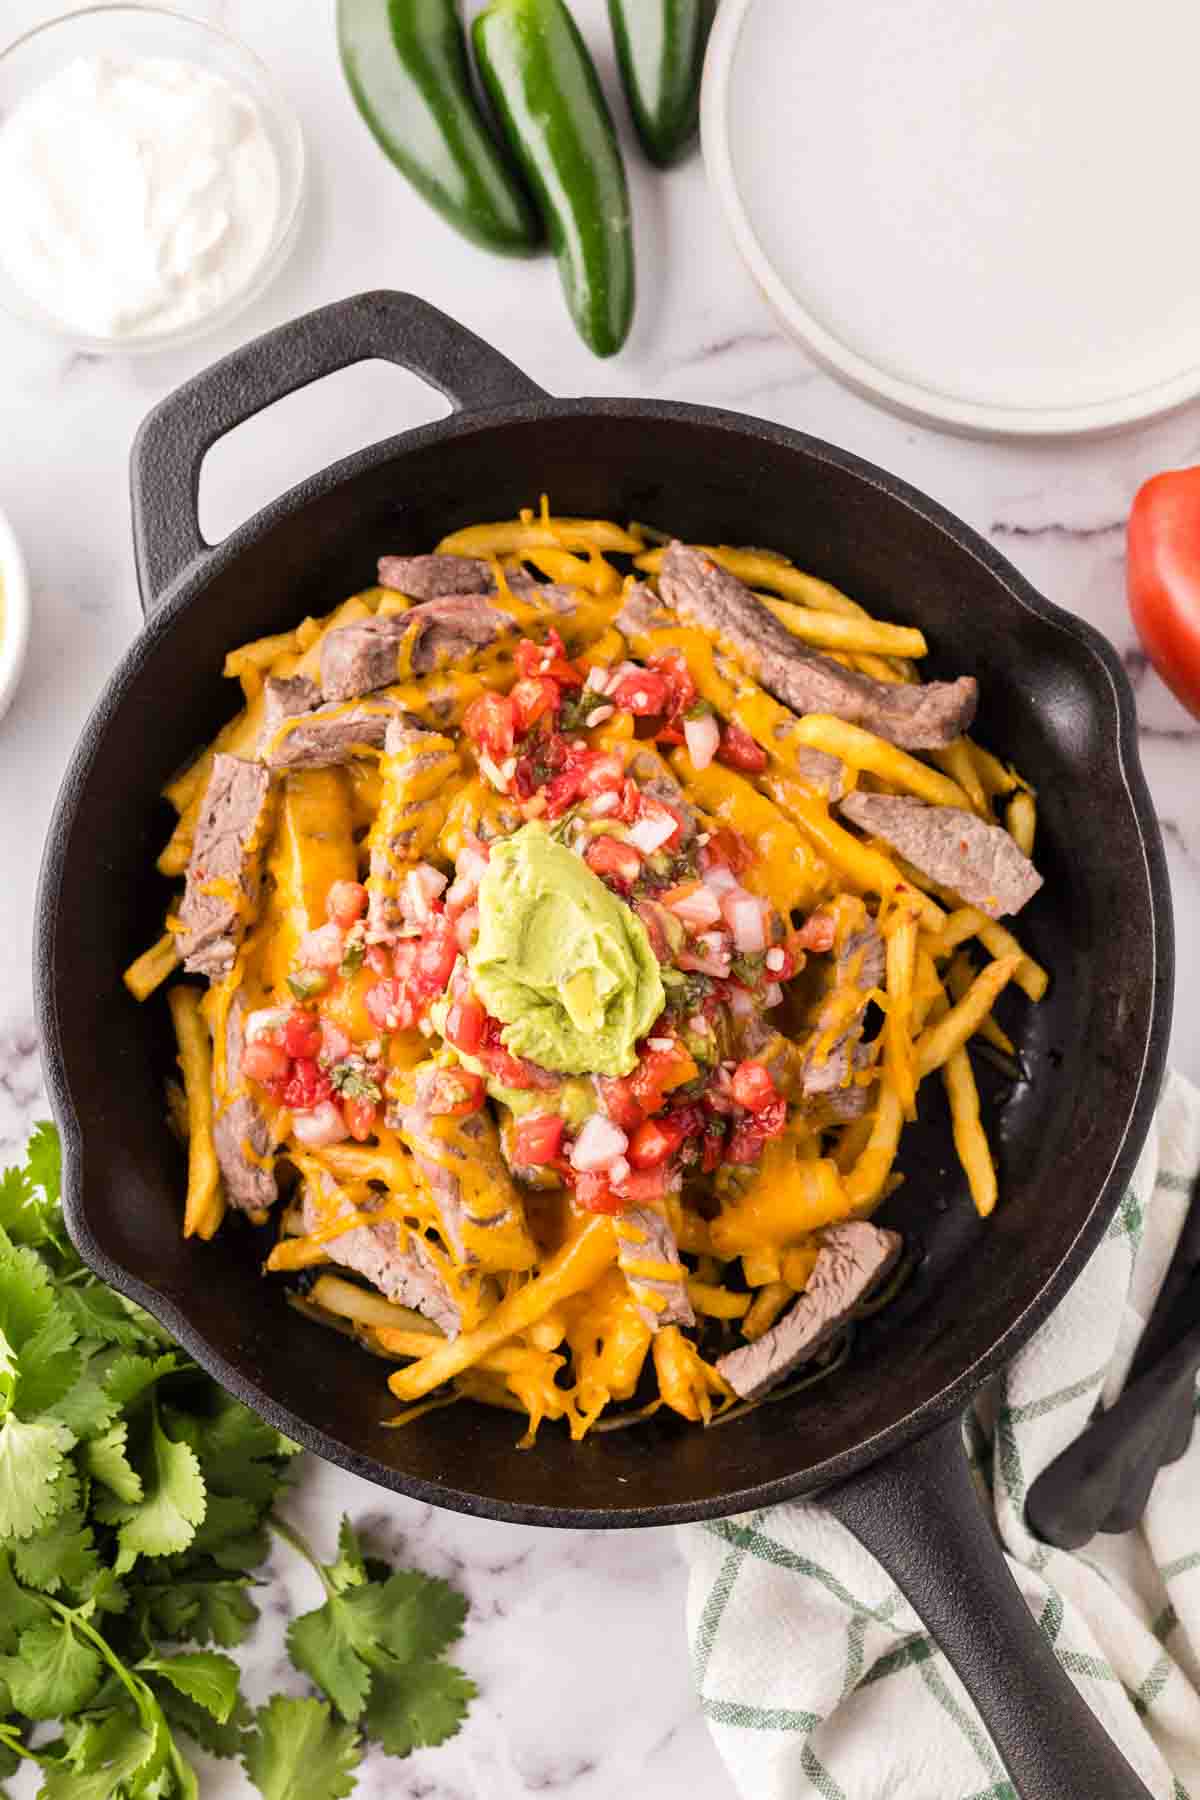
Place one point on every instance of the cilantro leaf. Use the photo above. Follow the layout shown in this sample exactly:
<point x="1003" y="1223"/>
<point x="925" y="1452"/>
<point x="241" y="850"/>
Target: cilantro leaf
<point x="165" y="1519"/>
<point x="54" y="1672"/>
<point x="349" y="1570"/>
<point x="31" y="1456"/>
<point x="105" y="1458"/>
<point x="50" y="1365"/>
<point x="20" y="1214"/>
<point x="200" y="1612"/>
<point x="26" y="1296"/>
<point x="205" y="1676"/>
<point x="99" y="1314"/>
<point x="416" y="1704"/>
<point x="330" y="1644"/>
<point x="18" y="1609"/>
<point x="63" y="1555"/>
<point x="87" y="1408"/>
<point x="43" y="1161"/>
<point x="105" y="1754"/>
<point x="297" y="1748"/>
<point x="129" y="1376"/>
<point x="416" y="1616"/>
<point x="227" y="1739"/>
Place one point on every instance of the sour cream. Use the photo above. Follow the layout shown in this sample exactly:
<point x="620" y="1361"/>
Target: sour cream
<point x="137" y="195"/>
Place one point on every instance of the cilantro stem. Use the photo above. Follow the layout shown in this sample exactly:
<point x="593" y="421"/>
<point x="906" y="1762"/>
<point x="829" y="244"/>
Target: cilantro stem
<point x="137" y="1690"/>
<point x="300" y="1543"/>
<point x="12" y="1741"/>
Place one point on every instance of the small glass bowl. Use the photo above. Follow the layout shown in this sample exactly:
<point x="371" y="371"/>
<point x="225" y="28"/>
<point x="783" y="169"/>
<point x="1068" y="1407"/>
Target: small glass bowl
<point x="136" y="30"/>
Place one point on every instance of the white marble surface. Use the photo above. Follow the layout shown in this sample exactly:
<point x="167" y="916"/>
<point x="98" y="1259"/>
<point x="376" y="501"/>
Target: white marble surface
<point x="576" y="1641"/>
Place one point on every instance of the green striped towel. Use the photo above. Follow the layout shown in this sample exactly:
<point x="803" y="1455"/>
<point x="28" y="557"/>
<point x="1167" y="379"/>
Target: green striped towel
<point x="815" y="1674"/>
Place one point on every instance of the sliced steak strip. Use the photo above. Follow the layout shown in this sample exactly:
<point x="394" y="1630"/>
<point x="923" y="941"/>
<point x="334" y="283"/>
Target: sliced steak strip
<point x="917" y="717"/>
<point x="238" y="1125"/>
<point x="652" y="774"/>
<point x="854" y="1258"/>
<point x="373" y="653"/>
<point x="432" y="577"/>
<point x="230" y="832"/>
<point x="860" y="965"/>
<point x="953" y="847"/>
<point x="394" y="1260"/>
<point x="300" y="738"/>
<point x="642" y="617"/>
<point x="475" y="1195"/>
<point x="645" y="1244"/>
<point x="418" y="767"/>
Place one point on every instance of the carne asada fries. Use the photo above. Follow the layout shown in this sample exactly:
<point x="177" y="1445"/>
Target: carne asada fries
<point x="579" y="926"/>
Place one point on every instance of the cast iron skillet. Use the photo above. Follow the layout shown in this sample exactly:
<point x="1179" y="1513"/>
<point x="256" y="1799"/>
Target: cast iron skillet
<point x="881" y="1438"/>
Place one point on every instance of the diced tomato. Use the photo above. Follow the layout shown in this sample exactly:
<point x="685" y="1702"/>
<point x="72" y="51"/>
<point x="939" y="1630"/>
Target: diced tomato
<point x="608" y="856"/>
<point x="491" y="722"/>
<point x="594" y="1194"/>
<point x="302" y="1034"/>
<point x="464" y="1024"/>
<point x="359" y="1114"/>
<point x="307" y="1086"/>
<point x="773" y="1117"/>
<point x="739" y="750"/>
<point x="645" y="694"/>
<point x="816" y="934"/>
<point x="512" y="1070"/>
<point x="539" y="1139"/>
<point x="533" y="697"/>
<point x="658" y="1073"/>
<point x="265" y="1063"/>
<point x="653" y="1142"/>
<point x="630" y="801"/>
<point x="322" y="948"/>
<point x="726" y="849"/>
<point x="691" y="1119"/>
<point x="390" y="1006"/>
<point x="648" y="912"/>
<point x="619" y="1102"/>
<point x="714" y="1150"/>
<point x="601" y="772"/>
<point x="379" y="958"/>
<point x="753" y="1086"/>
<point x="336" y="1044"/>
<point x="346" y="902"/>
<point x="549" y="658"/>
<point x="437" y="951"/>
<point x="454" y="1093"/>
<point x="681" y="689"/>
<point x="641" y="1185"/>
<point x="745" y="1146"/>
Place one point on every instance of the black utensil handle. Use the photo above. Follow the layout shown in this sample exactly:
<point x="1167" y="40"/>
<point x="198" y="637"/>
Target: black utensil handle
<point x="918" y="1512"/>
<point x="173" y="440"/>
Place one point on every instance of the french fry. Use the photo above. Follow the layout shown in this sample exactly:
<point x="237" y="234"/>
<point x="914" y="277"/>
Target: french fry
<point x="516" y="537"/>
<point x="996" y="778"/>
<point x="798" y="1264"/>
<point x="1020" y="816"/>
<point x="760" y="1266"/>
<point x="686" y="1382"/>
<point x="852" y="1139"/>
<point x="866" y="869"/>
<point x="594" y="574"/>
<point x="901" y="946"/>
<point x="787" y="870"/>
<point x="960" y="973"/>
<point x="865" y="1183"/>
<point x="940" y="1040"/>
<point x="769" y="1302"/>
<point x="864" y="750"/>
<point x="152" y="967"/>
<point x="790" y="1194"/>
<point x="970" y="1139"/>
<point x="927" y="990"/>
<point x="205" y="1204"/>
<point x="717" y="1302"/>
<point x="956" y="762"/>
<point x="842" y="631"/>
<point x="261" y="654"/>
<point x="576" y="1266"/>
<point x="968" y="922"/>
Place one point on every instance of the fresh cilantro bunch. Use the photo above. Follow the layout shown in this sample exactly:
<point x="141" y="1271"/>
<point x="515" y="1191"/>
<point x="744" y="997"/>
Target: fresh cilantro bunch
<point x="135" y="1503"/>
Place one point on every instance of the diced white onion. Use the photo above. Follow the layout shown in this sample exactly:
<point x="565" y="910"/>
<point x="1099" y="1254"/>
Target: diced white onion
<point x="702" y="838"/>
<point x="465" y="927"/>
<point x="422" y="886"/>
<point x="597" y="677"/>
<point x="775" y="959"/>
<point x="599" y="1143"/>
<point x="660" y="1043"/>
<point x="719" y="878"/>
<point x="322" y="1126"/>
<point x="745" y="916"/>
<point x="618" y="1169"/>
<point x="262" y="1023"/>
<point x="703" y="737"/>
<point x="773" y="994"/>
<point x="616" y="676"/>
<point x="604" y="803"/>
<point x="598" y="717"/>
<point x="651" y="833"/>
<point x="493" y="774"/>
<point x="698" y="909"/>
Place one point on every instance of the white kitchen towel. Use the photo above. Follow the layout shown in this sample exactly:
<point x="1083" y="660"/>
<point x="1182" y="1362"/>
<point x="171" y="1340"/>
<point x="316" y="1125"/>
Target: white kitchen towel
<point x="817" y="1677"/>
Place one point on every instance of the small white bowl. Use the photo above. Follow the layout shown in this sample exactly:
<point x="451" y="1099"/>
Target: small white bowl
<point x="137" y="30"/>
<point x="14" y="614"/>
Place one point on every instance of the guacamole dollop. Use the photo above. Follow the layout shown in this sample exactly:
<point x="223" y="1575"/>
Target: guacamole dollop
<point x="563" y="964"/>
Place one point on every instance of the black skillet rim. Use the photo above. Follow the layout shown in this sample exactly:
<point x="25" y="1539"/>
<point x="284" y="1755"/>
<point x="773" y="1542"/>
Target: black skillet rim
<point x="1111" y="683"/>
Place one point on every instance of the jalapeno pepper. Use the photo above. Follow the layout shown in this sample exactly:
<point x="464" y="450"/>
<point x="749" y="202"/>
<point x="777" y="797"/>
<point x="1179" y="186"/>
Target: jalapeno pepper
<point x="547" y="95"/>
<point x="406" y="63"/>
<point x="660" y="53"/>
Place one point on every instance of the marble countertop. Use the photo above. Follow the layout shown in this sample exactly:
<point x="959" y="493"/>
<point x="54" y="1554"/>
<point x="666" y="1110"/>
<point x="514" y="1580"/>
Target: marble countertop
<point x="576" y="1641"/>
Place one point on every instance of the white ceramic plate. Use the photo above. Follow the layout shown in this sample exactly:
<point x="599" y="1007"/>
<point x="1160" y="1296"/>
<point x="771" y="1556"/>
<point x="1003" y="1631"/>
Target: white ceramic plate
<point x="14" y="614"/>
<point x="981" y="212"/>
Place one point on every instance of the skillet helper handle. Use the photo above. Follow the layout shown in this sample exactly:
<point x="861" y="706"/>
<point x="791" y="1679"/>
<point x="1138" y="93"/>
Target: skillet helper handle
<point x="917" y="1511"/>
<point x="174" y="439"/>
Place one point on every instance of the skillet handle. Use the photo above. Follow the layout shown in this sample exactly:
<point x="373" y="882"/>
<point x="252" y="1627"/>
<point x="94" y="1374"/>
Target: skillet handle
<point x="174" y="439"/>
<point x="917" y="1511"/>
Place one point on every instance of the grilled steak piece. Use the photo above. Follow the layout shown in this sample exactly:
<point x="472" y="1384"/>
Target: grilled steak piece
<point x="953" y="847"/>
<point x="372" y="653"/>
<point x="641" y="619"/>
<point x="920" y="717"/>
<point x="225" y="856"/>
<point x="646" y="1244"/>
<point x="652" y="774"/>
<point x="432" y="577"/>
<point x="297" y="737"/>
<point x="394" y="1260"/>
<point x="854" y="1258"/>
<point x="861" y="964"/>
<point x="417" y="768"/>
<point x="238" y="1123"/>
<point x="482" y="1217"/>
